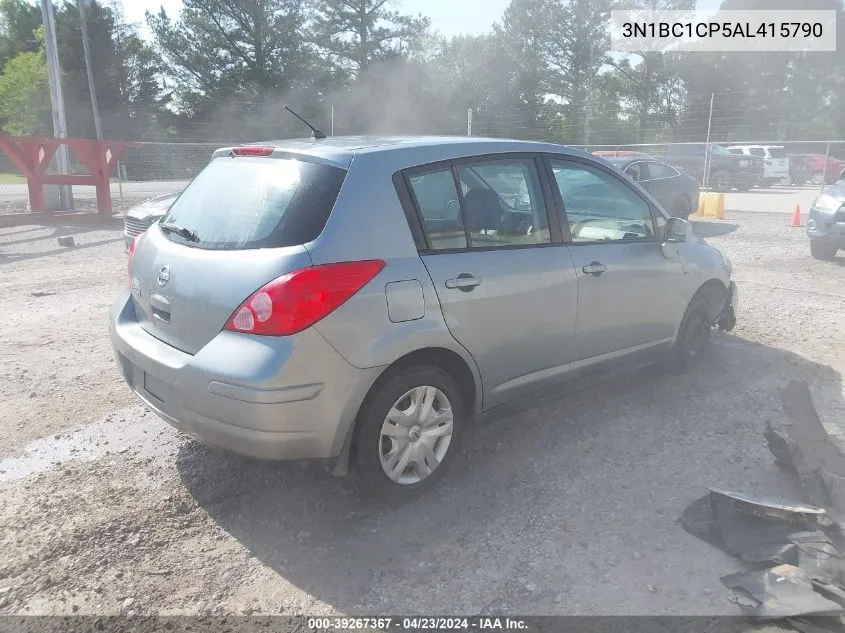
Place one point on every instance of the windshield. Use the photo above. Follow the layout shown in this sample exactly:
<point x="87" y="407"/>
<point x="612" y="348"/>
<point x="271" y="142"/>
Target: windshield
<point x="243" y="203"/>
<point x="718" y="150"/>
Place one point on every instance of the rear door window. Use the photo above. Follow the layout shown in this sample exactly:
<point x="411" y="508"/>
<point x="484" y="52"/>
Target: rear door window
<point x="247" y="203"/>
<point x="656" y="171"/>
<point x="437" y="199"/>
<point x="503" y="204"/>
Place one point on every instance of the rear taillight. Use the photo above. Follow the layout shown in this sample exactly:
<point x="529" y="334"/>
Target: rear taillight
<point x="299" y="299"/>
<point x="132" y="248"/>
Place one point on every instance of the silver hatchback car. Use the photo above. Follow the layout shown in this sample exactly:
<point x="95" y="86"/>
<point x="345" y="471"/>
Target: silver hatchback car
<point x="362" y="299"/>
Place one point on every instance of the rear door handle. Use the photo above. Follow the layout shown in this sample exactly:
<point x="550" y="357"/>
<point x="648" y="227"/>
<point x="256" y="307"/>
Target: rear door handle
<point x="464" y="281"/>
<point x="596" y="269"/>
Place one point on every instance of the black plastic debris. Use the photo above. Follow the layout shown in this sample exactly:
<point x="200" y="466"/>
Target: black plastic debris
<point x="764" y="532"/>
<point x="795" y="551"/>
<point x="807" y="450"/>
<point x="778" y="592"/>
<point x="818" y="624"/>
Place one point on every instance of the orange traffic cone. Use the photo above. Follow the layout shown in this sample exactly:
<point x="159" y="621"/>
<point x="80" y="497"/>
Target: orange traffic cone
<point x="796" y="216"/>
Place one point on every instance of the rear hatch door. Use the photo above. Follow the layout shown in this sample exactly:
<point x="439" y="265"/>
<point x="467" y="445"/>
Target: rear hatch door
<point x="240" y="224"/>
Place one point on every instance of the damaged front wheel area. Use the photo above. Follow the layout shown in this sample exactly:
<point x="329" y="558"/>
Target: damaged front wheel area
<point x="727" y="320"/>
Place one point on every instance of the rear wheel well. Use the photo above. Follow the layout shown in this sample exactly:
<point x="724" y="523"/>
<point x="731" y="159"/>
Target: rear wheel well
<point x="439" y="357"/>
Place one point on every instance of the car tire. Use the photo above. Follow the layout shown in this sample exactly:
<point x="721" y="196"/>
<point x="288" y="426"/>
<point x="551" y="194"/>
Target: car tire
<point x="820" y="250"/>
<point x="693" y="336"/>
<point x="378" y="445"/>
<point x="816" y="178"/>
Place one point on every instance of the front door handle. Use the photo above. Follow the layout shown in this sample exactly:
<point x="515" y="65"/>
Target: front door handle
<point x="596" y="269"/>
<point x="464" y="281"/>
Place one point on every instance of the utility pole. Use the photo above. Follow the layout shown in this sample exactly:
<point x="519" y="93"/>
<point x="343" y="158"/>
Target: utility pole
<point x="56" y="97"/>
<point x="95" y="108"/>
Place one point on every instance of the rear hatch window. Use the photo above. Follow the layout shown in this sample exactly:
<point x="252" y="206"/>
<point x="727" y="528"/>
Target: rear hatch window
<point x="776" y="152"/>
<point x="239" y="203"/>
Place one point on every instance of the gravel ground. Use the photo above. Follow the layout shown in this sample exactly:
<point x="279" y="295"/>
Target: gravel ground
<point x="569" y="508"/>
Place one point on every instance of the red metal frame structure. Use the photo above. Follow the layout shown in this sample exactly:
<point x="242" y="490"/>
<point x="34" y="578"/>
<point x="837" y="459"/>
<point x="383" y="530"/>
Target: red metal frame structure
<point x="32" y="154"/>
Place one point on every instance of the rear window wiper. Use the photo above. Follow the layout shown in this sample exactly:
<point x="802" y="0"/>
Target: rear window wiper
<point x="181" y="231"/>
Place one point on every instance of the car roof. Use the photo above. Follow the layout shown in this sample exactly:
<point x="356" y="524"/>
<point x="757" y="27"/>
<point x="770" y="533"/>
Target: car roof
<point x="340" y="150"/>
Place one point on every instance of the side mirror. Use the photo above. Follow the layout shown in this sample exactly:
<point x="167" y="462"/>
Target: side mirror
<point x="678" y="231"/>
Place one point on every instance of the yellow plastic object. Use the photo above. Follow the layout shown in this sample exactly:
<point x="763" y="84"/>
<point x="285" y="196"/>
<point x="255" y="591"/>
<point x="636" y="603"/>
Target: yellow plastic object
<point x="711" y="206"/>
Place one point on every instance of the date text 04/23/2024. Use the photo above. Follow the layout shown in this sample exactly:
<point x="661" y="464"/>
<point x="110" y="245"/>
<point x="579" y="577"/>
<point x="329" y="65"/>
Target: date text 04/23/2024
<point x="417" y="623"/>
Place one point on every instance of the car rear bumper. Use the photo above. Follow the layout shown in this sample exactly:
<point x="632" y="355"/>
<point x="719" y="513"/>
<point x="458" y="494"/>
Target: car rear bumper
<point x="266" y="397"/>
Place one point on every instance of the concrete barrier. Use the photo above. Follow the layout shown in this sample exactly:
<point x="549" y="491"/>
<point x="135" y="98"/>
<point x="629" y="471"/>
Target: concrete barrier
<point x="711" y="206"/>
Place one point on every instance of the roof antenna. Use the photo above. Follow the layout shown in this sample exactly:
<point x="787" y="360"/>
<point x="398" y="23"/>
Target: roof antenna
<point x="315" y="133"/>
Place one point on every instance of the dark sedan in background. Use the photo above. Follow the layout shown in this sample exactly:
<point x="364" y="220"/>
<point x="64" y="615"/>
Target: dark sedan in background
<point x="141" y="217"/>
<point x="673" y="189"/>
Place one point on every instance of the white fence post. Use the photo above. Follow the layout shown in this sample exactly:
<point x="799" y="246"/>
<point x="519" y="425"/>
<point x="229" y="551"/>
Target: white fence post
<point x="469" y="122"/>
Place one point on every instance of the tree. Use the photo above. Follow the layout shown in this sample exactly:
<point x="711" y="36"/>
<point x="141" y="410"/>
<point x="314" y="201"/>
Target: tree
<point x="126" y="74"/>
<point x="525" y="35"/>
<point x="18" y="21"/>
<point x="233" y="54"/>
<point x="578" y="47"/>
<point x="773" y="96"/>
<point x="650" y="80"/>
<point x="358" y="33"/>
<point x="25" y="93"/>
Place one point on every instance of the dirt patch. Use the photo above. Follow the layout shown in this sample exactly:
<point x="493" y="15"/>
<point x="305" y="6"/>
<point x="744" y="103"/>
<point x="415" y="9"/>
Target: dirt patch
<point x="569" y="508"/>
<point x="58" y="371"/>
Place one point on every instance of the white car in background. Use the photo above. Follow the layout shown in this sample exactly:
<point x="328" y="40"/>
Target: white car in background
<point x="775" y="165"/>
<point x="140" y="217"/>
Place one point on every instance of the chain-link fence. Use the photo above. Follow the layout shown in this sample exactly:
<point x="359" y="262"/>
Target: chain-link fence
<point x="743" y="165"/>
<point x="151" y="169"/>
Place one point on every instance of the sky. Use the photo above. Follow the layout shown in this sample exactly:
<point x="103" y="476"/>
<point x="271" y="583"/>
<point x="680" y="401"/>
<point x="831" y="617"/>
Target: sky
<point x="450" y="17"/>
